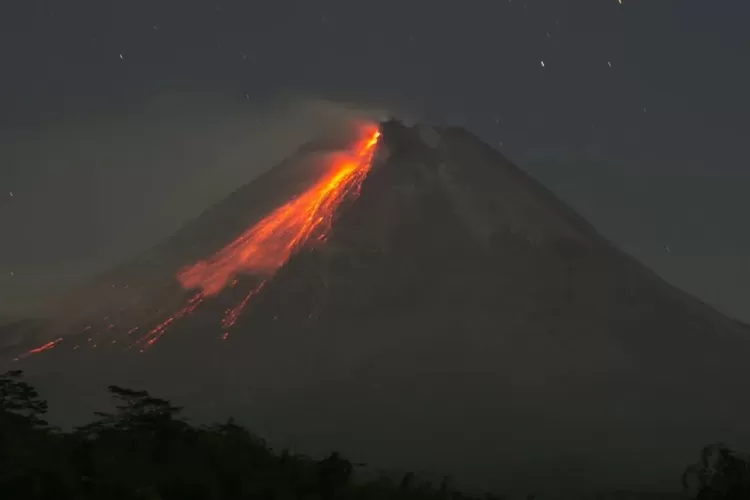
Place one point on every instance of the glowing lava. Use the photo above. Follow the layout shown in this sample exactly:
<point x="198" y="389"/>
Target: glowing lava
<point x="267" y="245"/>
<point x="156" y="332"/>
<point x="231" y="315"/>
<point x="44" y="347"/>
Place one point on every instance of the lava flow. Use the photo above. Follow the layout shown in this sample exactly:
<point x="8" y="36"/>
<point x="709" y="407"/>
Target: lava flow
<point x="155" y="333"/>
<point x="44" y="347"/>
<point x="266" y="246"/>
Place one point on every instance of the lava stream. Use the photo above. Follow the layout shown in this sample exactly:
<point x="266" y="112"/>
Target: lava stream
<point x="156" y="332"/>
<point x="266" y="246"/>
<point x="231" y="315"/>
<point x="44" y="347"/>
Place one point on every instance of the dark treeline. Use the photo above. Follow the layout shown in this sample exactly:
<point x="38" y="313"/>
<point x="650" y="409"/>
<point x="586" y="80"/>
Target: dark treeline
<point x="145" y="450"/>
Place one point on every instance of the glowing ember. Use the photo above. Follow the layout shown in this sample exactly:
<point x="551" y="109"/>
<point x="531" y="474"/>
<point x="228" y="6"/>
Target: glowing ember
<point x="41" y="348"/>
<point x="156" y="332"/>
<point x="230" y="318"/>
<point x="46" y="347"/>
<point x="267" y="245"/>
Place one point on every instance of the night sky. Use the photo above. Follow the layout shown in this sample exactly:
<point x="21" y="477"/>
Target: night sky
<point x="119" y="120"/>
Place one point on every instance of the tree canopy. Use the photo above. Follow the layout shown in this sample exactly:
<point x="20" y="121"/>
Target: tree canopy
<point x="146" y="450"/>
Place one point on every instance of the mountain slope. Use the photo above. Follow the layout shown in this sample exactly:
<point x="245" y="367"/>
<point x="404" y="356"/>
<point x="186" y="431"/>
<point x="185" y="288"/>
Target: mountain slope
<point x="458" y="318"/>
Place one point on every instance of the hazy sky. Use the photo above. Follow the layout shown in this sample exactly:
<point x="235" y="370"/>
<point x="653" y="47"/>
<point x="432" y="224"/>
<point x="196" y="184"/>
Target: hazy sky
<point x="120" y="120"/>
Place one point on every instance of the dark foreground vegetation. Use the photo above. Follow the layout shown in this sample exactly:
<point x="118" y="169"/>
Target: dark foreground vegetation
<point x="144" y="450"/>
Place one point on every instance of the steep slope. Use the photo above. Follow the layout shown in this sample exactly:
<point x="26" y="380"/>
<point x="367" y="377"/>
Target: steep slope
<point x="144" y="289"/>
<point x="457" y="318"/>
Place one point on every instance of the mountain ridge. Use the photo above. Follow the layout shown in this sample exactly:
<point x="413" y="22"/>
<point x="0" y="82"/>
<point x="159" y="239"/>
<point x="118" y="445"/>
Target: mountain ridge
<point x="454" y="297"/>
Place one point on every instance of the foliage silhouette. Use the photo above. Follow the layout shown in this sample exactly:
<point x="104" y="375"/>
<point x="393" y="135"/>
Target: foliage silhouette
<point x="721" y="473"/>
<point x="145" y="450"/>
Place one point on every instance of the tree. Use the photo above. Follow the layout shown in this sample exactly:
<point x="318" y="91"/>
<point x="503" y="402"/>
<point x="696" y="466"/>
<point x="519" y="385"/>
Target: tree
<point x="720" y="474"/>
<point x="137" y="412"/>
<point x="20" y="404"/>
<point x="32" y="463"/>
<point x="334" y="474"/>
<point x="140" y="449"/>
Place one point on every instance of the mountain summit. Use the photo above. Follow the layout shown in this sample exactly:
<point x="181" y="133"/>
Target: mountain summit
<point x="434" y="308"/>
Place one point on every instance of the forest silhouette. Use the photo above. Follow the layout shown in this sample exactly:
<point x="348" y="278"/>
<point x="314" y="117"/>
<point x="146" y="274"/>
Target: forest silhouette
<point x="146" y="450"/>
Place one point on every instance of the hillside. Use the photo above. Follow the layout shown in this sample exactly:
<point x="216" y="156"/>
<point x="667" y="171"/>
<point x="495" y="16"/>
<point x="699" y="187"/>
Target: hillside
<point x="456" y="317"/>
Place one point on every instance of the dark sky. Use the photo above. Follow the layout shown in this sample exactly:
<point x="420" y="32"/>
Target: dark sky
<point x="119" y="120"/>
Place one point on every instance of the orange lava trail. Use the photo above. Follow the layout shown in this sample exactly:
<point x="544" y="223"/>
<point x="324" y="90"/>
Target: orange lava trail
<point x="155" y="333"/>
<point x="44" y="347"/>
<point x="231" y="316"/>
<point x="267" y="245"/>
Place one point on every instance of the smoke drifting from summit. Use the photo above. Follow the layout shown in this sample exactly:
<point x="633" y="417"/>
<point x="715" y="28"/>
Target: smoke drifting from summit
<point x="98" y="189"/>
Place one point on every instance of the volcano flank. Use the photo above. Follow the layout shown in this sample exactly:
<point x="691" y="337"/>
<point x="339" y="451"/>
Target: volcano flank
<point x="409" y="297"/>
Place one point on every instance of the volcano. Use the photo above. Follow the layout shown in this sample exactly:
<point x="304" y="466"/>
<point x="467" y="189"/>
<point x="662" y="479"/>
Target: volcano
<point x="409" y="297"/>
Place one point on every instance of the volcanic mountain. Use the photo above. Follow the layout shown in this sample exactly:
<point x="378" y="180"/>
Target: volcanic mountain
<point x="433" y="308"/>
